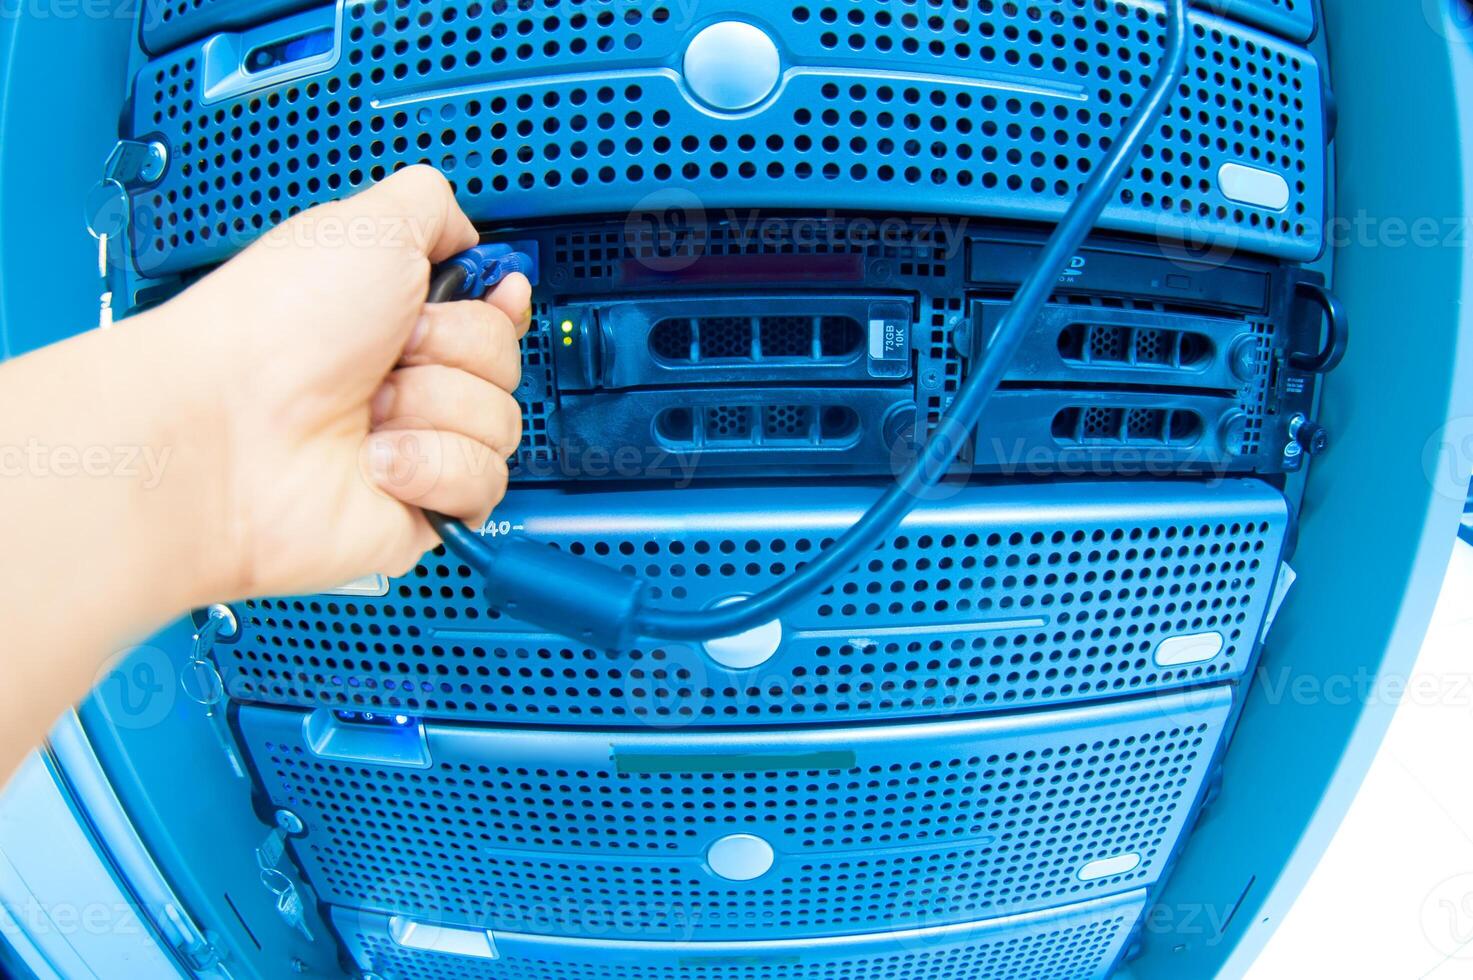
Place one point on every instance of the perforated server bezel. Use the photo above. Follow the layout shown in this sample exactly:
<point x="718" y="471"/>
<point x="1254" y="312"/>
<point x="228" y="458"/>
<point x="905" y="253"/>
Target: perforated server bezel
<point x="997" y="115"/>
<point x="870" y="829"/>
<point x="996" y="597"/>
<point x="1079" y="942"/>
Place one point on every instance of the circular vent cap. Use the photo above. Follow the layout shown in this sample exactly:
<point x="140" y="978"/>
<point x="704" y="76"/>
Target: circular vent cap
<point x="732" y="66"/>
<point x="740" y="857"/>
<point x="746" y="650"/>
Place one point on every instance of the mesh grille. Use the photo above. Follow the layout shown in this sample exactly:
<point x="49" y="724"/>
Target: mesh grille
<point x="945" y="378"/>
<point x="848" y="134"/>
<point x="914" y="247"/>
<point x="168" y="23"/>
<point x="784" y="422"/>
<point x="874" y="829"/>
<point x="1096" y="426"/>
<point x="729" y="423"/>
<point x="691" y="340"/>
<point x="1255" y="406"/>
<point x="1080" y="942"/>
<point x="729" y="427"/>
<point x="1113" y="345"/>
<point x="537" y="393"/>
<point x="997" y="598"/>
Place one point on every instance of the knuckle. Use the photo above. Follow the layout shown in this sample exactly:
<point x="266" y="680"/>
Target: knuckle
<point x="510" y="422"/>
<point x="496" y="337"/>
<point x="508" y="356"/>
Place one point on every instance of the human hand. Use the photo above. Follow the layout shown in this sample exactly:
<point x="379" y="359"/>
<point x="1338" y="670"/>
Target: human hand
<point x="345" y="403"/>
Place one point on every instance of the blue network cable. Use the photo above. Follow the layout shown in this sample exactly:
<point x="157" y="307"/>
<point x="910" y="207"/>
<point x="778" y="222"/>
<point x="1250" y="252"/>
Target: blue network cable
<point x="607" y="608"/>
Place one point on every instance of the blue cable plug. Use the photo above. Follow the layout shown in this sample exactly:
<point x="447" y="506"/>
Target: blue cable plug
<point x="482" y="267"/>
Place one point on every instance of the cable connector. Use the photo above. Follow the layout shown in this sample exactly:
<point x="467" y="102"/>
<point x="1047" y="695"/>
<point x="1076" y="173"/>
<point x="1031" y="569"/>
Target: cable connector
<point x="540" y="585"/>
<point x="482" y="267"/>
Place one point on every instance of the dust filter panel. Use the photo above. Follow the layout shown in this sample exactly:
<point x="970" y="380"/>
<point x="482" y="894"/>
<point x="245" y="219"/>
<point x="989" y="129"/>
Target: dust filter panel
<point x="1078" y="942"/>
<point x="991" y="598"/>
<point x="1001" y="111"/>
<point x="737" y="835"/>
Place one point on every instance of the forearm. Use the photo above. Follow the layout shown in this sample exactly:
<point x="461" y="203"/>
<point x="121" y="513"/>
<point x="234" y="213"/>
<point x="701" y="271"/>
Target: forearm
<point x="275" y="429"/>
<point x="108" y="472"/>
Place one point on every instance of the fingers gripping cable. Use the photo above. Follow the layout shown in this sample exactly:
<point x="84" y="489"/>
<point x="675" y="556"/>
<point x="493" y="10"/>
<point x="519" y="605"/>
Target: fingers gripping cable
<point x="607" y="608"/>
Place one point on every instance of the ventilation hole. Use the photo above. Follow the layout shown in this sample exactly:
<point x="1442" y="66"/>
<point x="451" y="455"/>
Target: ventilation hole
<point x="1185" y="427"/>
<point x="1066" y="424"/>
<point x="1145" y="425"/>
<point x="1108" y="344"/>
<point x="676" y="425"/>
<point x="1071" y="342"/>
<point x="673" y="340"/>
<point x="839" y="422"/>
<point x="786" y="337"/>
<point x="787" y="423"/>
<point x="1102" y="424"/>
<point x="729" y="423"/>
<point x="840" y="336"/>
<point x="1195" y="350"/>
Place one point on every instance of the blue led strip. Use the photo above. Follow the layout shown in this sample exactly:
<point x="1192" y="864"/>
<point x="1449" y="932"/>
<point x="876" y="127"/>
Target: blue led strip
<point x="853" y="830"/>
<point x="997" y="113"/>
